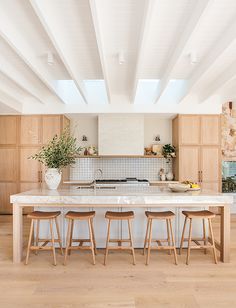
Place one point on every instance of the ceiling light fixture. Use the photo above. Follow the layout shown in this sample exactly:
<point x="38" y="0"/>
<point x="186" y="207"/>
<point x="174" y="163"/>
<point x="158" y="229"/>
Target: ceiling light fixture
<point x="121" y="57"/>
<point x="50" y="58"/>
<point x="193" y="58"/>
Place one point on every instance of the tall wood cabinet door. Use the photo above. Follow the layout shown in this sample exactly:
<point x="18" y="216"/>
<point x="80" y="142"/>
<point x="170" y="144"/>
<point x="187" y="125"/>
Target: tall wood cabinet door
<point x="8" y="164"/>
<point x="189" y="160"/>
<point x="51" y="127"/>
<point x="189" y="130"/>
<point x="30" y="130"/>
<point x="210" y="163"/>
<point x="6" y="190"/>
<point x="29" y="168"/>
<point x="210" y="130"/>
<point x="8" y="130"/>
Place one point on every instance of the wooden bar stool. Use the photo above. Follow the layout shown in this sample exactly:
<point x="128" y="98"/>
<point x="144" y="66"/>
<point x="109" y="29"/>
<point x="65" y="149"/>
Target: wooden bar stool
<point x="119" y="216"/>
<point x="72" y="216"/>
<point x="168" y="215"/>
<point x="200" y="215"/>
<point x="36" y="217"/>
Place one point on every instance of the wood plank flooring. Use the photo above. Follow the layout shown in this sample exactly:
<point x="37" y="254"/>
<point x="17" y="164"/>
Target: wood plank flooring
<point x="119" y="284"/>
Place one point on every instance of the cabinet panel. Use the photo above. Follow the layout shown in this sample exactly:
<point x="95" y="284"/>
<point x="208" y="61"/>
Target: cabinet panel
<point x="190" y="130"/>
<point x="30" y="130"/>
<point x="8" y="165"/>
<point x="29" y="168"/>
<point x="214" y="186"/>
<point x="210" y="163"/>
<point x="51" y="127"/>
<point x="6" y="189"/>
<point x="8" y="130"/>
<point x="210" y="130"/>
<point x="189" y="158"/>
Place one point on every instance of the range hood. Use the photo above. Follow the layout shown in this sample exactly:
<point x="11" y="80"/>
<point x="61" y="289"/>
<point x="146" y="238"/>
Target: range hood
<point x="120" y="135"/>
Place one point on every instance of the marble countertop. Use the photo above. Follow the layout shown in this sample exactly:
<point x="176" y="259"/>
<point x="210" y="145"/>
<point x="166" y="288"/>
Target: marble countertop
<point x="120" y="196"/>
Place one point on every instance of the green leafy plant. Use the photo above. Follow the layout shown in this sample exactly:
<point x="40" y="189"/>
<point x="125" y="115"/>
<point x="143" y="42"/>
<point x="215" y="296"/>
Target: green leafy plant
<point x="60" y="152"/>
<point x="168" y="151"/>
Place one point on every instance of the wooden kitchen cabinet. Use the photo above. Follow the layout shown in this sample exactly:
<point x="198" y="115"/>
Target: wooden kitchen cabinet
<point x="29" y="169"/>
<point x="189" y="130"/>
<point x="189" y="163"/>
<point x="21" y="137"/>
<point x="30" y="133"/>
<point x="51" y="126"/>
<point x="8" y="130"/>
<point x="7" y="189"/>
<point x="197" y="139"/>
<point x="210" y="130"/>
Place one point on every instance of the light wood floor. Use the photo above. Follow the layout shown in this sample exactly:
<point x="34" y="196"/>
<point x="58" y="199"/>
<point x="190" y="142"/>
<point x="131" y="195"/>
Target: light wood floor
<point x="119" y="284"/>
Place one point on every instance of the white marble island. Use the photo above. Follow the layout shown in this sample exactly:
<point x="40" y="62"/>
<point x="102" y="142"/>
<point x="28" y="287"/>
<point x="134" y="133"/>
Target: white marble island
<point x="138" y="199"/>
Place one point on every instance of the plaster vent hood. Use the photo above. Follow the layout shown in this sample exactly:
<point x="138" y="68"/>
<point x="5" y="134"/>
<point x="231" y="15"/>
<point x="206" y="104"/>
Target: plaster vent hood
<point x="120" y="135"/>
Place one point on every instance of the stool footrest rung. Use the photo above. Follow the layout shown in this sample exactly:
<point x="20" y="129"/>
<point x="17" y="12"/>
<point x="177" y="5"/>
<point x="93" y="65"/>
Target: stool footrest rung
<point x="120" y="241"/>
<point x="119" y="248"/>
<point x="80" y="248"/>
<point x="41" y="247"/>
<point x="161" y="247"/>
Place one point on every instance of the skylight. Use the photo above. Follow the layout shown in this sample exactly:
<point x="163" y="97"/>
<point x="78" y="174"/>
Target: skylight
<point x="68" y="91"/>
<point x="147" y="90"/>
<point x="96" y="91"/>
<point x="174" y="91"/>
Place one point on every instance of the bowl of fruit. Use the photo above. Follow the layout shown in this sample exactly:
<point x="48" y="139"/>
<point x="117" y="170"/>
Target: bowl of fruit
<point x="192" y="186"/>
<point x="179" y="187"/>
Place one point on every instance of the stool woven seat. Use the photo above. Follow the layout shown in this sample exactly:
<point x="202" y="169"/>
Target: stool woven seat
<point x="159" y="215"/>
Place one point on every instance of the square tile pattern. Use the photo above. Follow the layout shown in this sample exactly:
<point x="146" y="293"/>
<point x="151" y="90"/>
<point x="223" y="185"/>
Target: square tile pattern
<point x="118" y="168"/>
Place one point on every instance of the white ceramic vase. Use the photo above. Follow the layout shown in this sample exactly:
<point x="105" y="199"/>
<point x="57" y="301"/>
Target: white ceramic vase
<point x="170" y="176"/>
<point x="52" y="178"/>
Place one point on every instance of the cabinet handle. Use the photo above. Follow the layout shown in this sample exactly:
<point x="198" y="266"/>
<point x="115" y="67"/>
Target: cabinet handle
<point x="199" y="176"/>
<point x="39" y="176"/>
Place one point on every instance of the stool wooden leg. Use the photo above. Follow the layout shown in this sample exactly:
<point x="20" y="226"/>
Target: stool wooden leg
<point x="67" y="240"/>
<point x="149" y="242"/>
<point x="37" y="235"/>
<point x="29" y="241"/>
<point x="173" y="240"/>
<point x="213" y="241"/>
<point x="182" y="237"/>
<point x="131" y="240"/>
<point x="94" y="241"/>
<point x="204" y="234"/>
<point x="91" y="240"/>
<point x="189" y="240"/>
<point x="58" y="235"/>
<point x="146" y="236"/>
<point x="71" y="235"/>
<point x="53" y="243"/>
<point x="168" y="235"/>
<point x="107" y="242"/>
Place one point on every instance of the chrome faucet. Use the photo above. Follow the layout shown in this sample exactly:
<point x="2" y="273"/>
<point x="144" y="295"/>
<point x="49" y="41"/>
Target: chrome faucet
<point x="98" y="174"/>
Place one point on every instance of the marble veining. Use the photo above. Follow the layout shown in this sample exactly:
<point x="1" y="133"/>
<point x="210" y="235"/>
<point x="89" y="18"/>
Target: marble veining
<point x="120" y="196"/>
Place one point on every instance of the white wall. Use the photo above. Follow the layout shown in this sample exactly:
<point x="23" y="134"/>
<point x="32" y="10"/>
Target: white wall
<point x="153" y="125"/>
<point x="85" y="125"/>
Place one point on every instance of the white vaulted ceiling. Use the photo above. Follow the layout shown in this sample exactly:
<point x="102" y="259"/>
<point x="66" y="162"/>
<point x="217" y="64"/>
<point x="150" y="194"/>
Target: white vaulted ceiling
<point x="89" y="38"/>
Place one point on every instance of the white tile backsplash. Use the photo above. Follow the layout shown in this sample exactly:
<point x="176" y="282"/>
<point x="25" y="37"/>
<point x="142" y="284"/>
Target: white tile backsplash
<point x="118" y="168"/>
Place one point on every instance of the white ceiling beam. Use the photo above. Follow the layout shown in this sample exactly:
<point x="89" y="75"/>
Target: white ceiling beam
<point x="144" y="30"/>
<point x="198" y="12"/>
<point x="217" y="50"/>
<point x="100" y="45"/>
<point x="219" y="83"/>
<point x="20" y="80"/>
<point x="13" y="37"/>
<point x="10" y="100"/>
<point x="57" y="40"/>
